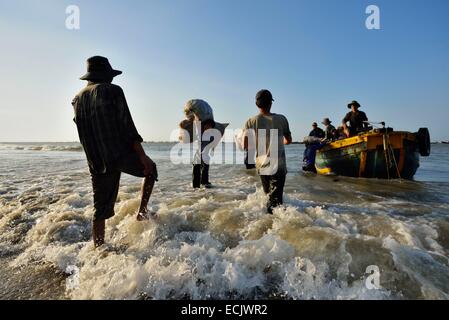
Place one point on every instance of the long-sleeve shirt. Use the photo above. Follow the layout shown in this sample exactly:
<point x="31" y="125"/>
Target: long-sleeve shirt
<point x="105" y="127"/>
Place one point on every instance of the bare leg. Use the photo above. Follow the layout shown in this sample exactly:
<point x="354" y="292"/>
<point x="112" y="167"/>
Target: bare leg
<point x="147" y="189"/>
<point x="98" y="232"/>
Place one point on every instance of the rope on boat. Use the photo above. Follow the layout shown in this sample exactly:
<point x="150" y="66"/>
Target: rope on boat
<point x="388" y="151"/>
<point x="386" y="154"/>
<point x="393" y="156"/>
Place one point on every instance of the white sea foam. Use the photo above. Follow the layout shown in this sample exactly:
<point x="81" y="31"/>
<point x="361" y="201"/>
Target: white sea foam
<point x="219" y="243"/>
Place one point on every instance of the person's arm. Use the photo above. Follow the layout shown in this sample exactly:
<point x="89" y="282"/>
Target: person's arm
<point x="287" y="133"/>
<point x="189" y="114"/>
<point x="245" y="143"/>
<point x="345" y="126"/>
<point x="126" y="123"/>
<point x="245" y="136"/>
<point x="345" y="120"/>
<point x="148" y="164"/>
<point x="74" y="102"/>
<point x="326" y="135"/>
<point x="365" y="120"/>
<point x="128" y="129"/>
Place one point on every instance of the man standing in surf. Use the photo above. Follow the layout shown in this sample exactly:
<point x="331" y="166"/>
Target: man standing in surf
<point x="267" y="133"/>
<point x="111" y="142"/>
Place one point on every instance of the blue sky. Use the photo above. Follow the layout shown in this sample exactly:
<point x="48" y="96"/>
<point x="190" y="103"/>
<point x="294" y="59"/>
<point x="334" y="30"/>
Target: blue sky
<point x="315" y="57"/>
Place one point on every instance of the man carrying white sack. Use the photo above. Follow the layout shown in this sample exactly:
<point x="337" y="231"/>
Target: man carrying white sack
<point x="199" y="126"/>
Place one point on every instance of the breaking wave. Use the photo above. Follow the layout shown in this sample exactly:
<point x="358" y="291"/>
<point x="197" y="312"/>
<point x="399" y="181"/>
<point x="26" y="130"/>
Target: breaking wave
<point x="219" y="243"/>
<point x="42" y="147"/>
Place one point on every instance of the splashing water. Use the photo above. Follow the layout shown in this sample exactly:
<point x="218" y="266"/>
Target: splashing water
<point x="219" y="243"/>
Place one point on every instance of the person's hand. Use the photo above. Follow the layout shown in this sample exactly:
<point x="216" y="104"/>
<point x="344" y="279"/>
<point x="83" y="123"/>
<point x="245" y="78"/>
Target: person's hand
<point x="149" y="166"/>
<point x="186" y="124"/>
<point x="288" y="140"/>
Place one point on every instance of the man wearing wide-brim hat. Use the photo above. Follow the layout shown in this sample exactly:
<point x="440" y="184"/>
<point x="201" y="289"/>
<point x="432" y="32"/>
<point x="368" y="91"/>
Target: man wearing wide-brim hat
<point x="111" y="142"/>
<point x="357" y="119"/>
<point x="329" y="130"/>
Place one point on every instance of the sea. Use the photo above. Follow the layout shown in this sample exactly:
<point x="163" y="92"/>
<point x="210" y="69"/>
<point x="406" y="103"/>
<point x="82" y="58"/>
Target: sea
<point x="334" y="238"/>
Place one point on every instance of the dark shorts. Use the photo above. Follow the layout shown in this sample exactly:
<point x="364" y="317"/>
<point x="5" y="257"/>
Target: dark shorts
<point x="105" y="186"/>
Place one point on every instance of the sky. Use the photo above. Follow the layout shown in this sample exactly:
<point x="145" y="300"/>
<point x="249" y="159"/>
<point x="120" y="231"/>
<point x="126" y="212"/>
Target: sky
<point x="315" y="56"/>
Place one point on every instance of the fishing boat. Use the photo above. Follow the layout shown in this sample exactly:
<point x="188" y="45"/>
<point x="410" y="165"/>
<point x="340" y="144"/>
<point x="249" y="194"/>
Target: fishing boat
<point x="379" y="153"/>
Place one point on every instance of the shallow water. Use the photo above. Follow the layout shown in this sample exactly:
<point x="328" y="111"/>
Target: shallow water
<point x="219" y="243"/>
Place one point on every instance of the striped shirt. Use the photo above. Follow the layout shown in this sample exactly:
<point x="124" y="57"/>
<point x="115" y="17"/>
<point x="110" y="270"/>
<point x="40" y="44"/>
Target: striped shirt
<point x="105" y="127"/>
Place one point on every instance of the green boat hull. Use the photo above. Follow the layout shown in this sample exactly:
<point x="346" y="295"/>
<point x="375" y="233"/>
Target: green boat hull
<point x="367" y="158"/>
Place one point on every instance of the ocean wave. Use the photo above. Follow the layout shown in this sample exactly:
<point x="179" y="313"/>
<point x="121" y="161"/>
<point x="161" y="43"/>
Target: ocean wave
<point x="43" y="147"/>
<point x="220" y="243"/>
<point x="211" y="248"/>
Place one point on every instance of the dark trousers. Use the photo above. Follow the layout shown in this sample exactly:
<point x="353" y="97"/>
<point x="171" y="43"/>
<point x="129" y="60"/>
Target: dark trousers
<point x="200" y="174"/>
<point x="274" y="187"/>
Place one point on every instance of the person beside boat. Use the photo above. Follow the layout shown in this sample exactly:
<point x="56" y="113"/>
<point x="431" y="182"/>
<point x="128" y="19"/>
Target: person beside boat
<point x="267" y="133"/>
<point x="312" y="145"/>
<point x="329" y="130"/>
<point x="315" y="141"/>
<point x="357" y="120"/>
<point x="316" y="132"/>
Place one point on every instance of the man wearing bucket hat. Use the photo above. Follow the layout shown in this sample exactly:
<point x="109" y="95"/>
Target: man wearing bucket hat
<point x="111" y="142"/>
<point x="329" y="130"/>
<point x="357" y="119"/>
